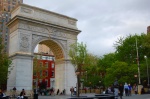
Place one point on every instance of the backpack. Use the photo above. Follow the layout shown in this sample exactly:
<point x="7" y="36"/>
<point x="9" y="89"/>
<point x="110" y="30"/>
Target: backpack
<point x="106" y="92"/>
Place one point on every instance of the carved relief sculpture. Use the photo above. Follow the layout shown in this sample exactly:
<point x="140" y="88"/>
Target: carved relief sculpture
<point x="24" y="43"/>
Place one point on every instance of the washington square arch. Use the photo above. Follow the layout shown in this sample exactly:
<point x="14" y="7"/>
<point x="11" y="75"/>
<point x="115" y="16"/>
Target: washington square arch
<point x="30" y="26"/>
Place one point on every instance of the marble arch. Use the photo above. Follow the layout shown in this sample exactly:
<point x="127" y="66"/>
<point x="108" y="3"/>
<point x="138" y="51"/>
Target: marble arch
<point x="31" y="25"/>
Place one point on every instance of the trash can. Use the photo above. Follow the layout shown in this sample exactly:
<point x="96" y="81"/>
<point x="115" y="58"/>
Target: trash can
<point x="35" y="96"/>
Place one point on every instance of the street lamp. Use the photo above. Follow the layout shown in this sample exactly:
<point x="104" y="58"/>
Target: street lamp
<point x="147" y="69"/>
<point x="86" y="75"/>
<point x="90" y="86"/>
<point x="100" y="86"/>
<point x="135" y="78"/>
<point x="78" y="82"/>
<point x="138" y="63"/>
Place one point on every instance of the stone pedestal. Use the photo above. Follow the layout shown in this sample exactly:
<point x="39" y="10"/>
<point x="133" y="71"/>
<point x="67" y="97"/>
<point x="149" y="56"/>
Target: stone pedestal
<point x="139" y="88"/>
<point x="21" y="72"/>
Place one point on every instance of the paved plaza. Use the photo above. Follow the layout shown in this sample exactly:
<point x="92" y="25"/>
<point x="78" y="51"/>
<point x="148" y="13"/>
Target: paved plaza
<point x="144" y="96"/>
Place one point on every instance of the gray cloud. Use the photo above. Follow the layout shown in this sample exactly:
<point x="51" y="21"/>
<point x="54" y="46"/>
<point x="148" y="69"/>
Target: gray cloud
<point x="102" y="21"/>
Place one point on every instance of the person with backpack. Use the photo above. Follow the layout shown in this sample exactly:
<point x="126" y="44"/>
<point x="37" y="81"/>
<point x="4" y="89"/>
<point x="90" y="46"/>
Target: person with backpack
<point x="116" y="89"/>
<point x="72" y="91"/>
<point x="126" y="89"/>
<point x="1" y="94"/>
<point x="129" y="90"/>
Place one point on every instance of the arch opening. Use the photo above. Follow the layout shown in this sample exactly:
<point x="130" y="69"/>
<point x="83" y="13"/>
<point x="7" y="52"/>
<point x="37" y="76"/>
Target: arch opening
<point x="52" y="56"/>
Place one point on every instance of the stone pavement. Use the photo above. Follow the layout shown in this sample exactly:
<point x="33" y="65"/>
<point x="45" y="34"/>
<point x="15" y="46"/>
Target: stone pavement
<point x="144" y="96"/>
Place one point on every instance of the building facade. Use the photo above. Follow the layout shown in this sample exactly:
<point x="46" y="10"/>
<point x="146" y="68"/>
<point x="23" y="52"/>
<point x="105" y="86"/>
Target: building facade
<point x="148" y="29"/>
<point x="5" y="7"/>
<point x="47" y="74"/>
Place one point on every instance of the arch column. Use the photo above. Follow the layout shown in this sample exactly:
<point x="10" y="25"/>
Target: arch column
<point x="21" y="72"/>
<point x="65" y="77"/>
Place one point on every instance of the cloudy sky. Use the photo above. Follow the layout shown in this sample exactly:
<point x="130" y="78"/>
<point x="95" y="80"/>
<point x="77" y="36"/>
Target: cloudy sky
<point x="102" y="21"/>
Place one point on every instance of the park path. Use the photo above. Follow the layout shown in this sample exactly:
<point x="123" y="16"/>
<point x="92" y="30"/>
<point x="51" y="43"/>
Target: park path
<point x="144" y="96"/>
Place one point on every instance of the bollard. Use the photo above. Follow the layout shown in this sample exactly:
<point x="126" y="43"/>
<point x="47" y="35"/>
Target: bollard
<point x="35" y="96"/>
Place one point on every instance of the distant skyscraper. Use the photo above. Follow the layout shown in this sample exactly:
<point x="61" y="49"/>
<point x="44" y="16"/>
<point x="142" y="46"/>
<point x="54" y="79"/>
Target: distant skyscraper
<point x="148" y="29"/>
<point x="5" y="7"/>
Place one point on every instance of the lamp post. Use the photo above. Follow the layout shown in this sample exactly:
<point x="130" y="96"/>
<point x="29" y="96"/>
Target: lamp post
<point x="147" y="69"/>
<point x="78" y="82"/>
<point x="138" y="63"/>
<point x="86" y="75"/>
<point x="90" y="86"/>
<point x="100" y="86"/>
<point x="135" y="78"/>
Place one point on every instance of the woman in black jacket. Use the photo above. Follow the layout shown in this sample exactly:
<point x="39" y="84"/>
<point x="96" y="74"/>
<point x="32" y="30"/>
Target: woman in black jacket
<point x="121" y="88"/>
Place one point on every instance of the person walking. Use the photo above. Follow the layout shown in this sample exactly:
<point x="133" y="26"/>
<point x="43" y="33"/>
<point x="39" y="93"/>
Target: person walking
<point x="126" y="88"/>
<point x="75" y="90"/>
<point x="22" y="95"/>
<point x="58" y="92"/>
<point x="14" y="92"/>
<point x="72" y="91"/>
<point x="121" y="88"/>
<point x="116" y="89"/>
<point x="135" y="88"/>
<point x="129" y="90"/>
<point x="1" y="94"/>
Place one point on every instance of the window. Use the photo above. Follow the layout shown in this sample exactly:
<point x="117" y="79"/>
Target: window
<point x="44" y="57"/>
<point x="41" y="73"/>
<point x="40" y="80"/>
<point x="34" y="82"/>
<point x="9" y="8"/>
<point x="9" y="1"/>
<point x="41" y="64"/>
<point x="53" y="65"/>
<point x="46" y="73"/>
<point x="49" y="58"/>
<point x="52" y="73"/>
<point x="46" y="81"/>
<point x="46" y="64"/>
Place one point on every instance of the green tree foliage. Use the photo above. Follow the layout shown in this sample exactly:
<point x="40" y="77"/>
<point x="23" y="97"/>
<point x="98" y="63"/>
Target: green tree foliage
<point x="92" y="70"/>
<point x="126" y="48"/>
<point x="4" y="64"/>
<point x="122" y="72"/>
<point x="79" y="58"/>
<point x="105" y="62"/>
<point x="78" y="54"/>
<point x="126" y="52"/>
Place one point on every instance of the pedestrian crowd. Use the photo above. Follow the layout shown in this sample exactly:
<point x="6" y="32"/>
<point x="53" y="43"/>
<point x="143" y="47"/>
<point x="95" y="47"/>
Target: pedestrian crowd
<point x="52" y="92"/>
<point x="73" y="91"/>
<point x="119" y="89"/>
<point x="22" y="94"/>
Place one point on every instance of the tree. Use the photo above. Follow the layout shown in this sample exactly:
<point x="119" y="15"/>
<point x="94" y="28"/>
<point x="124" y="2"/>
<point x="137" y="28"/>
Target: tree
<point x="121" y="71"/>
<point x="126" y="48"/>
<point x="106" y="62"/>
<point x="4" y="64"/>
<point x="38" y="71"/>
<point x="103" y="64"/>
<point x="78" y="54"/>
<point x="126" y="51"/>
<point x="92" y="71"/>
